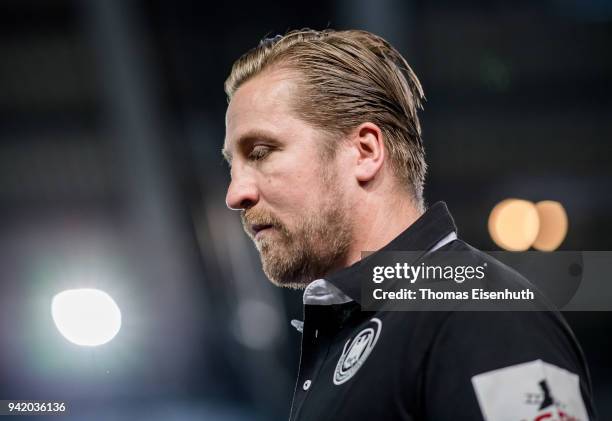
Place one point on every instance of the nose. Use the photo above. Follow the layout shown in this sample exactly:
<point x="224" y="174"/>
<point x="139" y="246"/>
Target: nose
<point x="242" y="193"/>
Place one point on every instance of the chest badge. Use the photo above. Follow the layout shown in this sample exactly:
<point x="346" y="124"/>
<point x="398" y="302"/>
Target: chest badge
<point x="356" y="351"/>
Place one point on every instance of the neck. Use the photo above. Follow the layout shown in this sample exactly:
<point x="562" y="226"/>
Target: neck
<point x="380" y="223"/>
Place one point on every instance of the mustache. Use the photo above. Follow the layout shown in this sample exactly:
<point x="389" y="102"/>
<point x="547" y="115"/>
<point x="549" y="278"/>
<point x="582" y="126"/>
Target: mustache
<point x="258" y="217"/>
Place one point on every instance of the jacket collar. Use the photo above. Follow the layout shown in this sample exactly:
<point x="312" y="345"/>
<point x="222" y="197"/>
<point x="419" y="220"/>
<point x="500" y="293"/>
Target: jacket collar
<point x="432" y="228"/>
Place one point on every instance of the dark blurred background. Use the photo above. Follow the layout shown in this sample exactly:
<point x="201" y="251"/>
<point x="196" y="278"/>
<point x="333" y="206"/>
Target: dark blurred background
<point x="111" y="124"/>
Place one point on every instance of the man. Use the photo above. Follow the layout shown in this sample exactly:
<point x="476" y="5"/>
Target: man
<point x="327" y="162"/>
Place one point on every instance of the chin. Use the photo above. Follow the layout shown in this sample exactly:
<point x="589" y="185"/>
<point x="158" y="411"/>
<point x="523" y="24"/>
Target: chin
<point x="293" y="279"/>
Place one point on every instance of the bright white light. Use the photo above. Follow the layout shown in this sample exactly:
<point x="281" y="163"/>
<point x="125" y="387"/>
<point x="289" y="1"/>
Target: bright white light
<point x="87" y="317"/>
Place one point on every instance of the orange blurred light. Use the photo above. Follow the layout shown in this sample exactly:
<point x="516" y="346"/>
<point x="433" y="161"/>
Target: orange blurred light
<point x="514" y="224"/>
<point x="553" y="225"/>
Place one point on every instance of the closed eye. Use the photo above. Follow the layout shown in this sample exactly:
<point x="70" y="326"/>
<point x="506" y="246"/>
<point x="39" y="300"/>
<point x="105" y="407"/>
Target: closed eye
<point x="259" y="152"/>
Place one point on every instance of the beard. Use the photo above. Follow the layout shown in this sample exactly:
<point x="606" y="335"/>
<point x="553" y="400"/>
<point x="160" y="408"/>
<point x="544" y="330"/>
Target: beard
<point x="295" y="256"/>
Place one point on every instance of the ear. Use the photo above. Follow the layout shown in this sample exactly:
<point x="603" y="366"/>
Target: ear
<point x="368" y="145"/>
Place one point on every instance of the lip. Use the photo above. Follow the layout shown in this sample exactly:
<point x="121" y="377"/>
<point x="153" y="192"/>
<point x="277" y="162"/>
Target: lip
<point x="257" y="229"/>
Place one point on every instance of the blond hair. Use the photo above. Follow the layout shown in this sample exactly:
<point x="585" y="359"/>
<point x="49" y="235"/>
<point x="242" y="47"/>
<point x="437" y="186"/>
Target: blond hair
<point x="347" y="78"/>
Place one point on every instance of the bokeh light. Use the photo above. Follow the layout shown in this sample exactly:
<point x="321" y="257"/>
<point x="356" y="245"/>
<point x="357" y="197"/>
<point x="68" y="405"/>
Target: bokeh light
<point x="514" y="224"/>
<point x="86" y="317"/>
<point x="553" y="225"/>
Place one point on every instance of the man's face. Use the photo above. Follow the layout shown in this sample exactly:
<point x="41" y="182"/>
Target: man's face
<point x="293" y="203"/>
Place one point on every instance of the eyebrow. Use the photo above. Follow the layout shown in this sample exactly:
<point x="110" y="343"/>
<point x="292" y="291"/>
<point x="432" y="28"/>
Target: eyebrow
<point x="245" y="140"/>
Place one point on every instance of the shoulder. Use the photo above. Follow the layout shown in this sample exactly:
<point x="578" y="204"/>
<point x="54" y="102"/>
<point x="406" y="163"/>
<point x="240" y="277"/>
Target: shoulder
<point x="466" y="357"/>
<point x="515" y="331"/>
<point x="493" y="360"/>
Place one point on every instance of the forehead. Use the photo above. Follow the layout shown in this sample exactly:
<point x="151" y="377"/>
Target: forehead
<point x="262" y="104"/>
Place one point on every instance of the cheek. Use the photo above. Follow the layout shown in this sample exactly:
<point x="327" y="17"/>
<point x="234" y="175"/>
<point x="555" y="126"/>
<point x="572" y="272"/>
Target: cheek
<point x="291" y="192"/>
